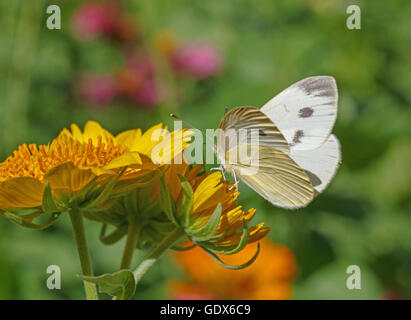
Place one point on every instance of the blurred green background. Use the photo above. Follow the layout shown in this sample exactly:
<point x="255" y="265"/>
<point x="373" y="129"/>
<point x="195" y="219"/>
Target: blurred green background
<point x="363" y="218"/>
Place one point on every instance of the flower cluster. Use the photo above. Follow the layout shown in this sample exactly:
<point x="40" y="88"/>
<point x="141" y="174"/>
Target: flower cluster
<point x="76" y="170"/>
<point x="106" y="19"/>
<point x="119" y="181"/>
<point x="140" y="80"/>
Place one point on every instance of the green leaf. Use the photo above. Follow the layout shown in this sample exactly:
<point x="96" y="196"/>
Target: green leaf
<point x="49" y="205"/>
<point x="166" y="202"/>
<point x="26" y="220"/>
<point x="120" y="284"/>
<point x="242" y="266"/>
<point x="207" y="232"/>
<point x="184" y="212"/>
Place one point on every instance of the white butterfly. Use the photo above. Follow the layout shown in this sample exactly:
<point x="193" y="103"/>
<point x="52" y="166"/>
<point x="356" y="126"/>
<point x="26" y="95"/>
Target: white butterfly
<point x="297" y="154"/>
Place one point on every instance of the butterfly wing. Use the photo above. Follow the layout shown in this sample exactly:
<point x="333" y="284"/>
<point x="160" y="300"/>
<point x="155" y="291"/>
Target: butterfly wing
<point x="248" y="119"/>
<point x="305" y="112"/>
<point x="320" y="164"/>
<point x="273" y="175"/>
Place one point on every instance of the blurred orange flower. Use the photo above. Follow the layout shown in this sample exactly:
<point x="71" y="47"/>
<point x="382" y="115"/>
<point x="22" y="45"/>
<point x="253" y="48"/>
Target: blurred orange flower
<point x="268" y="278"/>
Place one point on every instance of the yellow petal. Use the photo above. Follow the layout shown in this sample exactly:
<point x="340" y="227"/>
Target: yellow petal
<point x="21" y="192"/>
<point x="66" y="132"/>
<point x="92" y="130"/>
<point x="129" y="139"/>
<point x="212" y="191"/>
<point x="170" y="148"/>
<point x="127" y="159"/>
<point x="257" y="232"/>
<point x="232" y="219"/>
<point x="67" y="176"/>
<point x="205" y="190"/>
<point x="76" y="133"/>
<point x="150" y="139"/>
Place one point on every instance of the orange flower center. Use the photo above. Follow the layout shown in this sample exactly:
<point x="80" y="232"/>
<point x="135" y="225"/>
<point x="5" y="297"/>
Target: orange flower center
<point x="35" y="161"/>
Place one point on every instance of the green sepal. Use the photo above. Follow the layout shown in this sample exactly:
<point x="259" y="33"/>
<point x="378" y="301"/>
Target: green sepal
<point x="238" y="267"/>
<point x="153" y="233"/>
<point x="166" y="202"/>
<point x="82" y="194"/>
<point x="184" y="212"/>
<point x="120" y="284"/>
<point x="207" y="232"/>
<point x="104" y="193"/>
<point x="111" y="217"/>
<point x="180" y="248"/>
<point x="131" y="184"/>
<point x="27" y="220"/>
<point x="48" y="205"/>
<point x="114" y="236"/>
<point x="148" y="207"/>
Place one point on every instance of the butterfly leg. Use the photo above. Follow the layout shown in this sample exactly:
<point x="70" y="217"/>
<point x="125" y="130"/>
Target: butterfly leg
<point x="221" y="169"/>
<point x="235" y="181"/>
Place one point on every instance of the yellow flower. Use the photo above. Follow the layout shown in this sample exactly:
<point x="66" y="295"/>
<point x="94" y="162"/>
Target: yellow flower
<point x="75" y="159"/>
<point x="206" y="208"/>
<point x="65" y="164"/>
<point x="269" y="278"/>
<point x="209" y="193"/>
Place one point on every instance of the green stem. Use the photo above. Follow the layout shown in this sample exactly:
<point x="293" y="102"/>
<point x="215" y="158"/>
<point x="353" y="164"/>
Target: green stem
<point x="132" y="236"/>
<point x="167" y="242"/>
<point x="83" y="252"/>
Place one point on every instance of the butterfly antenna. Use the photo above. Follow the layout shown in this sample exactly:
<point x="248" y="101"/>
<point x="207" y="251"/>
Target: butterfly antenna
<point x="225" y="112"/>
<point x="172" y="115"/>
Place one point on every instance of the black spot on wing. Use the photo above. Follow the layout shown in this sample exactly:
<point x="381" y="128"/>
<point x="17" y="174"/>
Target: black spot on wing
<point x="306" y="112"/>
<point x="297" y="136"/>
<point x="318" y="86"/>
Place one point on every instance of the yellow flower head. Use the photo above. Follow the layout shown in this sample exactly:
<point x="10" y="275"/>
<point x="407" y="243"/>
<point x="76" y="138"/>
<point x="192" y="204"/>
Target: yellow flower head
<point x="75" y="159"/>
<point x="206" y="208"/>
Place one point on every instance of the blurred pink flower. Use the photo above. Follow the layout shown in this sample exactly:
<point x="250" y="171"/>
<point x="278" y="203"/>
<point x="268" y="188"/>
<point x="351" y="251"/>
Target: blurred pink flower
<point x="199" y="60"/>
<point x="148" y="94"/>
<point x="138" y="81"/>
<point x="94" y="19"/>
<point x="98" y="89"/>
